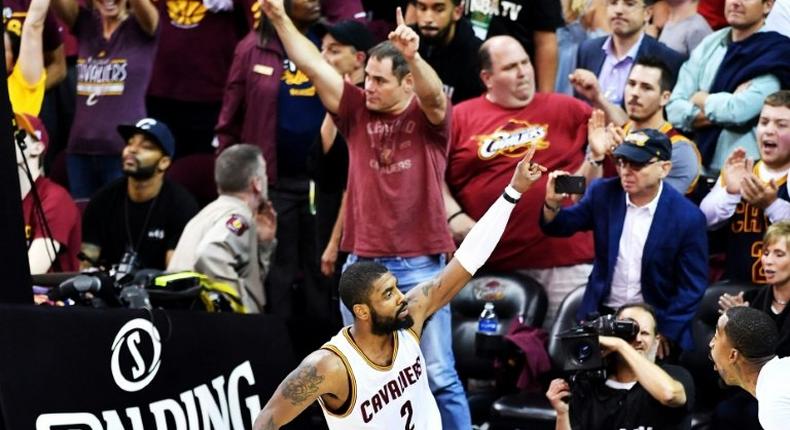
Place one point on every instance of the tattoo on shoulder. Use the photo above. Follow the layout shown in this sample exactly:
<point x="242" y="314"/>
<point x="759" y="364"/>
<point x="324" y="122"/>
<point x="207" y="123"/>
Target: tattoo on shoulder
<point x="302" y="384"/>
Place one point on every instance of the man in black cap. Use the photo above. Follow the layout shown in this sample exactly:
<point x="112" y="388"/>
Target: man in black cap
<point x="138" y="218"/>
<point x="650" y="241"/>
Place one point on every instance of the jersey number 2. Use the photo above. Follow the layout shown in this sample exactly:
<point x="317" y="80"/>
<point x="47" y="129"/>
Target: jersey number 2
<point x="407" y="411"/>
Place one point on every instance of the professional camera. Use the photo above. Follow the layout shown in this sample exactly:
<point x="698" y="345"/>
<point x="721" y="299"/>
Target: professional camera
<point x="580" y="351"/>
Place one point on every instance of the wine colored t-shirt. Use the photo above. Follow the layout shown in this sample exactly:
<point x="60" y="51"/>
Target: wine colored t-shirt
<point x="396" y="168"/>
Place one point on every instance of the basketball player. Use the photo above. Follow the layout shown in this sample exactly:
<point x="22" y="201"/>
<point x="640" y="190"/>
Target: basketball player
<point x="372" y="374"/>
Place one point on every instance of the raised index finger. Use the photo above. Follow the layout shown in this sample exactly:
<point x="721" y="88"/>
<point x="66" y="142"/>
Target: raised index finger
<point x="398" y="16"/>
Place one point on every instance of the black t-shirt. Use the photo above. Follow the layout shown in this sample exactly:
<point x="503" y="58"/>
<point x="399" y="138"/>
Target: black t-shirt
<point x="517" y="18"/>
<point x="107" y="224"/>
<point x="457" y="63"/>
<point x="596" y="406"/>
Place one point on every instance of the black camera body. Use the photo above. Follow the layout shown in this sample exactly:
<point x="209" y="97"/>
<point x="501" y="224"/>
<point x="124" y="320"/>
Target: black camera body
<point x="580" y="350"/>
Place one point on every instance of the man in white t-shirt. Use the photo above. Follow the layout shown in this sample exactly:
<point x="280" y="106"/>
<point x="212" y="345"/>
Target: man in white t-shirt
<point x="742" y="351"/>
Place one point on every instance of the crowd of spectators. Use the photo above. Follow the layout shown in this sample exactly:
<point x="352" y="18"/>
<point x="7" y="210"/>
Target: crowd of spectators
<point x="328" y="145"/>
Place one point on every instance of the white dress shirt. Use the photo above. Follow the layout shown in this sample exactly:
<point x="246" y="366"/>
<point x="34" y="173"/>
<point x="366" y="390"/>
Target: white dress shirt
<point x="627" y="278"/>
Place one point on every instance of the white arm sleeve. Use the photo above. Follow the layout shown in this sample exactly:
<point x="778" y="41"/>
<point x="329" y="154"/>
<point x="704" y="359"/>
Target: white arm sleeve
<point x="484" y="236"/>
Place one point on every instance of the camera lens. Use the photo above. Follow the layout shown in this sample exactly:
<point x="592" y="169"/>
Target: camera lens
<point x="582" y="351"/>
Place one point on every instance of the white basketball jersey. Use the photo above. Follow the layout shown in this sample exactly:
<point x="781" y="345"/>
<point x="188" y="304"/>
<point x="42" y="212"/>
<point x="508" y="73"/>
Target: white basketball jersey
<point x="393" y="397"/>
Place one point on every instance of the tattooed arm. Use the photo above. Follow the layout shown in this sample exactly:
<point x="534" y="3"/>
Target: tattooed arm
<point x="322" y="373"/>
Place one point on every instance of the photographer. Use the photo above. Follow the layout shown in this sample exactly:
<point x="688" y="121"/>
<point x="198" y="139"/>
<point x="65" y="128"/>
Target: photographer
<point x="637" y="393"/>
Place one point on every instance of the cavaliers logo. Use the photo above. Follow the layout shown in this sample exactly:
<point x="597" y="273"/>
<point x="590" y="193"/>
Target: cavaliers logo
<point x="185" y="14"/>
<point x="512" y="140"/>
<point x="638" y="139"/>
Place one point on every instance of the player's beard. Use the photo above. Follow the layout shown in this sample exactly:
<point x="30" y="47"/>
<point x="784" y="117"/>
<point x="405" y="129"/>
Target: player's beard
<point x="382" y="325"/>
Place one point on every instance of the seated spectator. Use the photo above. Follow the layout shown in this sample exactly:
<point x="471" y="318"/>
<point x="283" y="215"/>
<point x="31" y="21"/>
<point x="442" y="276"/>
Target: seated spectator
<point x="232" y="239"/>
<point x="24" y="61"/>
<point x="721" y="88"/>
<point x="52" y="220"/>
<point x="647" y="91"/>
<point x="143" y="213"/>
<point x="117" y="43"/>
<point x="603" y="64"/>
<point x="532" y="23"/>
<point x="449" y="45"/>
<point x="637" y="394"/>
<point x="748" y="195"/>
<point x="740" y="410"/>
<point x="488" y="135"/>
<point x="685" y="28"/>
<point x="650" y="241"/>
<point x="743" y="352"/>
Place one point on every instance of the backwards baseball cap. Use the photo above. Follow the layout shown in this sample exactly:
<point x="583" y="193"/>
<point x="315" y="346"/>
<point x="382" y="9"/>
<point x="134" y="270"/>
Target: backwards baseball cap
<point x="33" y="127"/>
<point x="642" y="145"/>
<point x="352" y="33"/>
<point x="155" y="130"/>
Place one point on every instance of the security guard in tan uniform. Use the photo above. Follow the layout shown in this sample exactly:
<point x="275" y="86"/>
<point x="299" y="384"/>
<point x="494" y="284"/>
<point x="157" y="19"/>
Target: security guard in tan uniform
<point x="232" y="239"/>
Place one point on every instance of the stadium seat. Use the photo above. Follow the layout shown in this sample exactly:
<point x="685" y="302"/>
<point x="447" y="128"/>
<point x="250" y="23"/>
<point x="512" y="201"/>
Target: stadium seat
<point x="533" y="410"/>
<point x="520" y="297"/>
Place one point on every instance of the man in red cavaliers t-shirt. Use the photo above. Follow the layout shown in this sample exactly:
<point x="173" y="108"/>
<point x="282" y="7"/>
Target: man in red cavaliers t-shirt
<point x="489" y="136"/>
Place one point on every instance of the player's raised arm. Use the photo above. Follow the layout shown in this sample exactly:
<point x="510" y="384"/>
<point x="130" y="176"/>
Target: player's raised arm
<point x="320" y="373"/>
<point x="427" y="298"/>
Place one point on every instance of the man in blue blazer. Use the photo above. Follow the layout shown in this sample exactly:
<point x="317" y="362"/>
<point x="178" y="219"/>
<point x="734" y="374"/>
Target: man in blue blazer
<point x="603" y="64"/>
<point x="650" y="241"/>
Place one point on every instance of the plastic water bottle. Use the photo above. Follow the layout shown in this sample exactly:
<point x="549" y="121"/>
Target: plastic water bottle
<point x="488" y="324"/>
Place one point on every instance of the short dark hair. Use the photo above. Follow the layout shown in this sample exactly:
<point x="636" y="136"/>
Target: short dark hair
<point x="643" y="306"/>
<point x="752" y="332"/>
<point x="780" y="98"/>
<point x="387" y="50"/>
<point x="236" y="166"/>
<point x="357" y="281"/>
<point x="667" y="81"/>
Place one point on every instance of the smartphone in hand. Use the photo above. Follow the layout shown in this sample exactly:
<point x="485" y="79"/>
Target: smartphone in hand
<point x="570" y="184"/>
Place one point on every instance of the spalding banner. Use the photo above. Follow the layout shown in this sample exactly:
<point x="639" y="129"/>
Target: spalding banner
<point x="93" y="369"/>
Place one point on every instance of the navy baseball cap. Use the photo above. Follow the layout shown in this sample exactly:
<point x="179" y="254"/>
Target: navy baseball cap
<point x="642" y="145"/>
<point x="155" y="130"/>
